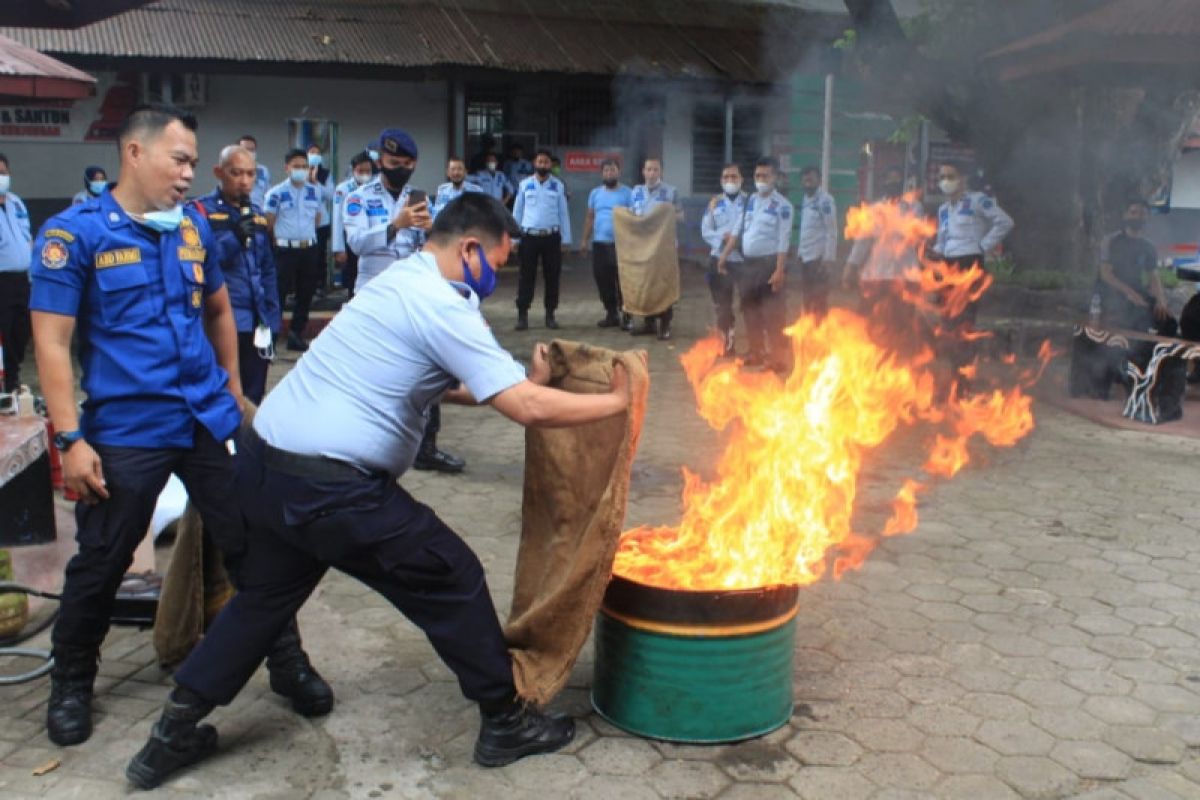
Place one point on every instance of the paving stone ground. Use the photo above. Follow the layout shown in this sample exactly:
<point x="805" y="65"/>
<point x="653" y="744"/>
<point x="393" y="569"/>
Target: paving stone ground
<point x="1037" y="637"/>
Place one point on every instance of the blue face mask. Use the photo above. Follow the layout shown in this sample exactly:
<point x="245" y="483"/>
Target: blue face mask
<point x="314" y="159"/>
<point x="96" y="187"/>
<point x="163" y="221"/>
<point x="299" y="175"/>
<point x="487" y="277"/>
<point x="374" y="154"/>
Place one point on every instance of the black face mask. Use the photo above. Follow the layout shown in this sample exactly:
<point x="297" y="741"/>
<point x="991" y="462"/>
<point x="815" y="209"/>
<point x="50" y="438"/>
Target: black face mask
<point x="542" y="171"/>
<point x="397" y="177"/>
<point x="610" y="182"/>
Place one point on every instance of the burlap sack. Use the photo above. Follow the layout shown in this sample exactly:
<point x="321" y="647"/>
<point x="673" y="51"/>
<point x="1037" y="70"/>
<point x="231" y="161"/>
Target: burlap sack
<point x="647" y="260"/>
<point x="576" y="486"/>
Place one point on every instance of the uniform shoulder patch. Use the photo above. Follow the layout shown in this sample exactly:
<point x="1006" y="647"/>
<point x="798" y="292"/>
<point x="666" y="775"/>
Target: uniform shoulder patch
<point x="353" y="206"/>
<point x="59" y="233"/>
<point x="55" y="254"/>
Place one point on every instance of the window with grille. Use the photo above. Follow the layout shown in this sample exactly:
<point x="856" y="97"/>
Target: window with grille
<point x="708" y="141"/>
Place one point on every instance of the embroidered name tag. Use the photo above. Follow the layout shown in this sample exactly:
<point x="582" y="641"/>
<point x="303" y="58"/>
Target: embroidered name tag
<point x="191" y="253"/>
<point x="59" y="233"/>
<point x="118" y="258"/>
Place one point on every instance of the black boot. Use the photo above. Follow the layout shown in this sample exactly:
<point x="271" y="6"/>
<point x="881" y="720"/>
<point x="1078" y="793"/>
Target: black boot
<point x="293" y="676"/>
<point x="611" y="320"/>
<point x="435" y="460"/>
<point x="626" y="322"/>
<point x="522" y="321"/>
<point x="551" y="322"/>
<point x="649" y="328"/>
<point x="176" y="741"/>
<point x="516" y="731"/>
<point x="296" y="344"/>
<point x="69" y="715"/>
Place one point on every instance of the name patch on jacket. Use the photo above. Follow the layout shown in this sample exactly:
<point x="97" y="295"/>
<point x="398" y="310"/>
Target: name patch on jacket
<point x="117" y="258"/>
<point x="192" y="253"/>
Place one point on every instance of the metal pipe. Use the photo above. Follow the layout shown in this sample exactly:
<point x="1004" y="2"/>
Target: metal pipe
<point x="827" y="133"/>
<point x="728" y="153"/>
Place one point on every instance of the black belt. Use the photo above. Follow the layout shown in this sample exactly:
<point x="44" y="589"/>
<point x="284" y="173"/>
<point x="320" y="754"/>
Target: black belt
<point x="304" y="466"/>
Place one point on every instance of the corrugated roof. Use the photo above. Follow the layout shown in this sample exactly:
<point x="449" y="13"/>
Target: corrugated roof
<point x="732" y="40"/>
<point x="28" y="73"/>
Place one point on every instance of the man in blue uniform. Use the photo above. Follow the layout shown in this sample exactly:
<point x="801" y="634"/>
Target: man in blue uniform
<point x="493" y="182"/>
<point x="720" y="223"/>
<point x="14" y="280"/>
<point x="248" y="265"/>
<point x="137" y="275"/>
<point x="817" y="247"/>
<point x="262" y="175"/>
<point x="321" y="496"/>
<point x="541" y="211"/>
<point x="601" y="202"/>
<point x="643" y="200"/>
<point x="362" y="169"/>
<point x="295" y="210"/>
<point x="456" y="183"/>
<point x="763" y="236"/>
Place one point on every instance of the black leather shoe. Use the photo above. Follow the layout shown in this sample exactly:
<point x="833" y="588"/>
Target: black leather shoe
<point x="176" y="741"/>
<point x="69" y="713"/>
<point x="551" y="322"/>
<point x="626" y="322"/>
<point x="293" y="676"/>
<point x="664" y="333"/>
<point x="648" y="329"/>
<point x="519" y="731"/>
<point x="522" y="321"/>
<point x="296" y="344"/>
<point x="610" y="321"/>
<point x="439" y="461"/>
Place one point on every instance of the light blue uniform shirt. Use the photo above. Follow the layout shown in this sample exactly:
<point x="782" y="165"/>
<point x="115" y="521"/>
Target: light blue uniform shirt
<point x="262" y="184"/>
<point x="371" y="376"/>
<point x="723" y="216"/>
<point x="299" y="210"/>
<point x="644" y="199"/>
<point x="970" y="227"/>
<point x="337" y="238"/>
<point x="517" y="171"/>
<point x="446" y="192"/>
<point x="366" y="214"/>
<point x="818" y="228"/>
<point x="766" y="228"/>
<point x="495" y="183"/>
<point x="542" y="205"/>
<point x="602" y="201"/>
<point x="15" y="237"/>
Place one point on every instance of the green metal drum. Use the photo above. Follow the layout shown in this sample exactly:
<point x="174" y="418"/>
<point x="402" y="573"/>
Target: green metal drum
<point x="700" y="667"/>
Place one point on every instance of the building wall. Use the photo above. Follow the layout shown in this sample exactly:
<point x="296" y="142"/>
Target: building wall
<point x="261" y="105"/>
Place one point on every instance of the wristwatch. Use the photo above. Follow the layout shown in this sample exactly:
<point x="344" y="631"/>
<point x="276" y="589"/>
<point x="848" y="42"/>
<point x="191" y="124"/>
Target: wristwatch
<point x="63" y="441"/>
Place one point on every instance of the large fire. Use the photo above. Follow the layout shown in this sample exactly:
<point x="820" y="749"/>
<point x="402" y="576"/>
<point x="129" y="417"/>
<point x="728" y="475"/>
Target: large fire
<point x="783" y="498"/>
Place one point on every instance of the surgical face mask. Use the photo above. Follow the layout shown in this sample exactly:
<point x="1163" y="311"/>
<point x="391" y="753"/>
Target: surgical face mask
<point x="948" y="185"/>
<point x="5" y="182"/>
<point x="361" y="178"/>
<point x="96" y="187"/>
<point x="732" y="188"/>
<point x="264" y="342"/>
<point x="487" y="277"/>
<point x="397" y="177"/>
<point x="314" y="159"/>
<point x="298" y="175"/>
<point x="373" y="154"/>
<point x="763" y="187"/>
<point x="491" y="166"/>
<point x="162" y="221"/>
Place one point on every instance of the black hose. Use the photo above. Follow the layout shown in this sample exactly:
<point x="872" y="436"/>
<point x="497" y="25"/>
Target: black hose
<point x="6" y="644"/>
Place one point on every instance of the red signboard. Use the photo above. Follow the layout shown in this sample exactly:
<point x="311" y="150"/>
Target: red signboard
<point x="587" y="160"/>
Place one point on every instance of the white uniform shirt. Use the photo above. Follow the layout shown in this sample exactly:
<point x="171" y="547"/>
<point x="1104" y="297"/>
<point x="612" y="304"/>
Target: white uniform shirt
<point x="366" y="383"/>
<point x="722" y="217"/>
<point x="818" y="227"/>
<point x="337" y="237"/>
<point x="970" y="227"/>
<point x="447" y="192"/>
<point x="367" y="211"/>
<point x="644" y="198"/>
<point x="766" y="228"/>
<point x="299" y="211"/>
<point x="15" y="237"/>
<point x="542" y="205"/>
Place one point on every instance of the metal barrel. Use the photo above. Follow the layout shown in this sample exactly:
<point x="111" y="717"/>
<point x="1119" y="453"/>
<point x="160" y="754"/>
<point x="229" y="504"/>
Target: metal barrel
<point x="700" y="667"/>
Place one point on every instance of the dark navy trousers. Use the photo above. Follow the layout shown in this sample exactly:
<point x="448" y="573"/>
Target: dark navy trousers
<point x="301" y="521"/>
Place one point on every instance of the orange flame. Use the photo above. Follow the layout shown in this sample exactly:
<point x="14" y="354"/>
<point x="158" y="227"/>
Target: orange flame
<point x="779" y="508"/>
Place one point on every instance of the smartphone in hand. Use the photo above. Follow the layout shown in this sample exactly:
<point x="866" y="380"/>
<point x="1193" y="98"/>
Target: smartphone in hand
<point x="417" y="196"/>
